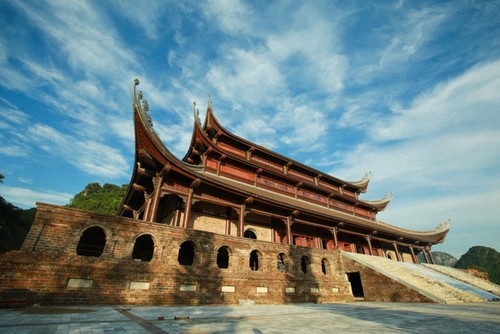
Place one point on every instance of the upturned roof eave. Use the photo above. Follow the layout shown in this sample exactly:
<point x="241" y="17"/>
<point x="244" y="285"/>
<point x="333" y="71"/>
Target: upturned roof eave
<point x="361" y="186"/>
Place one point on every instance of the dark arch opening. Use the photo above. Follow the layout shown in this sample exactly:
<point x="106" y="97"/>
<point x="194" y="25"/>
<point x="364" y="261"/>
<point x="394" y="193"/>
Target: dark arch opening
<point x="186" y="253"/>
<point x="223" y="257"/>
<point x="325" y="266"/>
<point x="143" y="248"/>
<point x="91" y="242"/>
<point x="282" y="263"/>
<point x="250" y="234"/>
<point x="304" y="264"/>
<point x="254" y="260"/>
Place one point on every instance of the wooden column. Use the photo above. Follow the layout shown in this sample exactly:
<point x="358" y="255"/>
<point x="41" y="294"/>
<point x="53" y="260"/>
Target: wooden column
<point x="334" y="232"/>
<point x="289" y="230"/>
<point x="147" y="206"/>
<point x="425" y="255"/>
<point x="415" y="259"/>
<point x="241" y="222"/>
<point x="398" y="256"/>
<point x="155" y="198"/>
<point x="187" y="209"/>
<point x="430" y="254"/>
<point x="228" y="221"/>
<point x="369" y="240"/>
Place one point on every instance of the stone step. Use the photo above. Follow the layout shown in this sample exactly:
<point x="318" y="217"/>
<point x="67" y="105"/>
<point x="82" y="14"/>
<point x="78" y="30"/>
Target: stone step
<point x="414" y="279"/>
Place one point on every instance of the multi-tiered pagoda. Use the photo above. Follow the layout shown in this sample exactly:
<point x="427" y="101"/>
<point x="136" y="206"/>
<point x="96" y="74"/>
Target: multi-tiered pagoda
<point x="231" y="186"/>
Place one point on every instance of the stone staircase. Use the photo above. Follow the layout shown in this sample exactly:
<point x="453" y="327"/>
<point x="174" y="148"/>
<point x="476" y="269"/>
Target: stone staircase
<point x="415" y="277"/>
<point x="467" y="278"/>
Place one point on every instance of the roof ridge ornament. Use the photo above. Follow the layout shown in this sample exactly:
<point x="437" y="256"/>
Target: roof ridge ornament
<point x="443" y="225"/>
<point x="196" y="114"/>
<point x="141" y="105"/>
<point x="209" y="102"/>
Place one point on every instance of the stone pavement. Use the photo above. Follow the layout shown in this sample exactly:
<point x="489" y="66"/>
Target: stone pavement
<point x="360" y="317"/>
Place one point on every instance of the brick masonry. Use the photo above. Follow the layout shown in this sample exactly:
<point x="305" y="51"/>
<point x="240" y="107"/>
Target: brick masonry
<point x="47" y="269"/>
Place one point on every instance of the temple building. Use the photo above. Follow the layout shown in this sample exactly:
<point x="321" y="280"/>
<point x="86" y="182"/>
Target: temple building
<point x="230" y="186"/>
<point x="231" y="222"/>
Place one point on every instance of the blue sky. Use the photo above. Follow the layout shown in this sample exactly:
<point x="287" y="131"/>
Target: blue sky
<point x="406" y="90"/>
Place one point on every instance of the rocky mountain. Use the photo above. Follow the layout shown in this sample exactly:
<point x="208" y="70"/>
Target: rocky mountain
<point x="482" y="259"/>
<point x="440" y="258"/>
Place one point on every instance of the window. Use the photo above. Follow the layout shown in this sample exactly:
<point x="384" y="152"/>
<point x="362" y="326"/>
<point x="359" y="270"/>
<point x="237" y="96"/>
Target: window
<point x="250" y="234"/>
<point x="282" y="263"/>
<point x="143" y="248"/>
<point x="186" y="253"/>
<point x="325" y="267"/>
<point x="91" y="242"/>
<point x="304" y="264"/>
<point x="254" y="260"/>
<point x="223" y="257"/>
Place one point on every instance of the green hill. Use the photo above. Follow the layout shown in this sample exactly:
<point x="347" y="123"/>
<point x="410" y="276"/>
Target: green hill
<point x="15" y="222"/>
<point x="483" y="259"/>
<point x="105" y="199"/>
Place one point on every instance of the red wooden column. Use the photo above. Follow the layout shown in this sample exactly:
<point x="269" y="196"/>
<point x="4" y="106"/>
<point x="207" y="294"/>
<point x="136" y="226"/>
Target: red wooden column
<point x="414" y="258"/>
<point x="430" y="254"/>
<point x="187" y="209"/>
<point x="425" y="255"/>
<point x="228" y="221"/>
<point x="369" y="240"/>
<point x="241" y="222"/>
<point x="189" y="202"/>
<point x="155" y="198"/>
<point x="289" y="223"/>
<point x="398" y="256"/>
<point x="334" y="233"/>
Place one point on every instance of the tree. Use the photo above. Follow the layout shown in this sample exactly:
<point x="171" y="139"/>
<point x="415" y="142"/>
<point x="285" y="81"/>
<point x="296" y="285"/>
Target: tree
<point x="105" y="199"/>
<point x="14" y="224"/>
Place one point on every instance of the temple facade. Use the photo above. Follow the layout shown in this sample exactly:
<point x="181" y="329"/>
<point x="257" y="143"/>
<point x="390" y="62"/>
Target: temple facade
<point x="230" y="186"/>
<point x="231" y="222"/>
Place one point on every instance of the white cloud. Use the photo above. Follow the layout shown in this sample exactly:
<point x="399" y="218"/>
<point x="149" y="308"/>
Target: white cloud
<point x="26" y="198"/>
<point x="14" y="151"/>
<point x="414" y="29"/>
<point x="248" y="77"/>
<point x="469" y="102"/>
<point x="14" y="116"/>
<point x="233" y="17"/>
<point x="87" y="155"/>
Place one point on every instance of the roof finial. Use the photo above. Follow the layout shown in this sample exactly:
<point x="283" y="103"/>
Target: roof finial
<point x="143" y="108"/>
<point x="196" y="113"/>
<point x="209" y="102"/>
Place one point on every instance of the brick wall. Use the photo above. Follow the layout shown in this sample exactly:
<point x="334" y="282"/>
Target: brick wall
<point x="47" y="269"/>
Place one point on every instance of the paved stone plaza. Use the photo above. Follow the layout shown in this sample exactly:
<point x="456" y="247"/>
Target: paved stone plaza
<point x="361" y="317"/>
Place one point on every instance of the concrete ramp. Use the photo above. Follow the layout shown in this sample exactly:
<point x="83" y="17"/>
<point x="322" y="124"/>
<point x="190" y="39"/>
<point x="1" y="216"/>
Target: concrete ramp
<point x="430" y="283"/>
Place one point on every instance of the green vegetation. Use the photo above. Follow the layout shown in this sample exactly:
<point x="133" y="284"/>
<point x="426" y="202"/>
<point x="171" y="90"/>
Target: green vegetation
<point x="14" y="224"/>
<point x="105" y="199"/>
<point x="483" y="259"/>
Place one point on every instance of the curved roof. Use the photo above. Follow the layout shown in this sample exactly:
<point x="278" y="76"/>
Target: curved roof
<point x="211" y="122"/>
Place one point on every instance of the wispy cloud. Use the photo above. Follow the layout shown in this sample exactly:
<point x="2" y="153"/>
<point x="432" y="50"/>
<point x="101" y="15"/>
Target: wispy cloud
<point x="26" y="198"/>
<point x="89" y="156"/>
